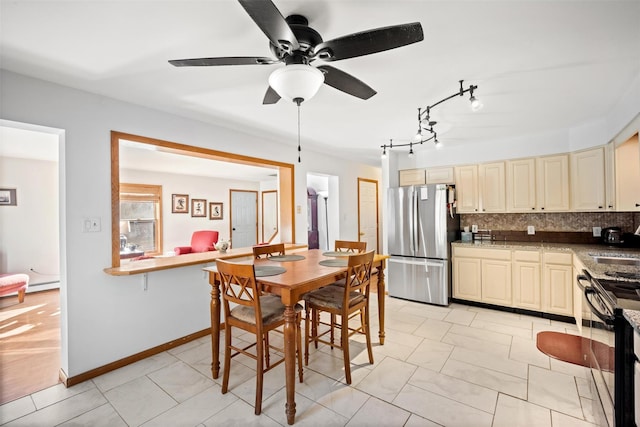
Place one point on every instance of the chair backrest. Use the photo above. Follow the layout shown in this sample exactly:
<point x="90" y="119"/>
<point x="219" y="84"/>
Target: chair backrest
<point x="203" y="240"/>
<point x="266" y="251"/>
<point x="238" y="286"/>
<point x="358" y="274"/>
<point x="349" y="246"/>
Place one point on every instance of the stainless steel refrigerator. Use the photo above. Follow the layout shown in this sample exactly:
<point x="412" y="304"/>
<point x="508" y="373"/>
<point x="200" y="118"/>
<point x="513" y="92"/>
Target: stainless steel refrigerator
<point x="421" y="226"/>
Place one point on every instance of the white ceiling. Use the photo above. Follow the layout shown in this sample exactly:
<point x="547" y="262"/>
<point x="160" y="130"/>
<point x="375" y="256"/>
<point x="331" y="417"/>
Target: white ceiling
<point x="540" y="65"/>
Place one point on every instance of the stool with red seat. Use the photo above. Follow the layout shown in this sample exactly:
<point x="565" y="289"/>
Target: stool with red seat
<point x="11" y="283"/>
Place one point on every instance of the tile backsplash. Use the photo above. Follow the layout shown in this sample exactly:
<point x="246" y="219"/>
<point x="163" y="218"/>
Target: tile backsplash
<point x="562" y="222"/>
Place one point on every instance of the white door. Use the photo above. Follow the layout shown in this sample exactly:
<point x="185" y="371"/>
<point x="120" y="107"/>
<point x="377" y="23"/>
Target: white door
<point x="269" y="215"/>
<point x="368" y="213"/>
<point x="244" y="218"/>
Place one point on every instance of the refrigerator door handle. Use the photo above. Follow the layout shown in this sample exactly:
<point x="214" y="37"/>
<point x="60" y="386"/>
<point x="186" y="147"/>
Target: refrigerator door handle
<point x="416" y="222"/>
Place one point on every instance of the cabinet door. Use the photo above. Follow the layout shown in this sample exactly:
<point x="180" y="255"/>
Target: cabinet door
<point x="521" y="185"/>
<point x="628" y="175"/>
<point x="496" y="282"/>
<point x="526" y="285"/>
<point x="467" y="189"/>
<point x="610" y="177"/>
<point x="552" y="179"/>
<point x="587" y="180"/>
<point x="492" y="189"/>
<point x="440" y="176"/>
<point x="557" y="290"/>
<point x="412" y="177"/>
<point x="466" y="279"/>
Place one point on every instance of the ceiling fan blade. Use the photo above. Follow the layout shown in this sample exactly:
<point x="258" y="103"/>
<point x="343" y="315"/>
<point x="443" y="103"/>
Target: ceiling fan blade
<point x="267" y="16"/>
<point x="368" y="42"/>
<point x="346" y="82"/>
<point x="270" y="97"/>
<point x="230" y="60"/>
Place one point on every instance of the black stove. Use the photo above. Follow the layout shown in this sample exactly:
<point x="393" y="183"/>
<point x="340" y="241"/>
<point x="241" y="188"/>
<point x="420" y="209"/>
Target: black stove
<point x="623" y="275"/>
<point x="623" y="294"/>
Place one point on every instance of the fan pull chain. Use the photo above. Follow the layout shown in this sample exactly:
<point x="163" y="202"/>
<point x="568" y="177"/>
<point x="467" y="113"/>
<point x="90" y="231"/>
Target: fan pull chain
<point x="299" y="149"/>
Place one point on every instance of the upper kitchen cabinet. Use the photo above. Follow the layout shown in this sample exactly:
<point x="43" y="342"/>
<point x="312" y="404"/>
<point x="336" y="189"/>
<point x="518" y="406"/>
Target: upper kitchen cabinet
<point x="443" y="175"/>
<point x="610" y="176"/>
<point x="492" y="187"/>
<point x="412" y="177"/>
<point x="552" y="178"/>
<point x="627" y="158"/>
<point x="521" y="185"/>
<point x="588" y="180"/>
<point x="467" y="200"/>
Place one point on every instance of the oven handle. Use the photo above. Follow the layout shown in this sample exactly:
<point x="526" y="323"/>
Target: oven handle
<point x="579" y="279"/>
<point x="607" y="319"/>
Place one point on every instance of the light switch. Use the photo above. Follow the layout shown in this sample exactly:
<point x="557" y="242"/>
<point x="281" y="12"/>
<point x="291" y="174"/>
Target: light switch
<point x="91" y="225"/>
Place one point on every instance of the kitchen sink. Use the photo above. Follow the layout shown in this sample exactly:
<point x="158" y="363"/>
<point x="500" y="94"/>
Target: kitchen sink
<point x="601" y="259"/>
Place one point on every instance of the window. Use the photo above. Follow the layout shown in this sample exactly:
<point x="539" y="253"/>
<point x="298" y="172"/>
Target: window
<point x="140" y="220"/>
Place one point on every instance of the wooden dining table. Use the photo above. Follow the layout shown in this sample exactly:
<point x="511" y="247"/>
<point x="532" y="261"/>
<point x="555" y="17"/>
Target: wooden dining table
<point x="301" y="276"/>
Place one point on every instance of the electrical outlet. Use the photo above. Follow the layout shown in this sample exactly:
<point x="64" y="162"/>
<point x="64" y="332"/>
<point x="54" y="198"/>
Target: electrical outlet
<point x="474" y="228"/>
<point x="531" y="229"/>
<point x="597" y="231"/>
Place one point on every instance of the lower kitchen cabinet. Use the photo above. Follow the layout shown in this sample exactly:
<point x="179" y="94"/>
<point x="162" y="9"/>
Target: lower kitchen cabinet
<point x="536" y="280"/>
<point x="557" y="284"/>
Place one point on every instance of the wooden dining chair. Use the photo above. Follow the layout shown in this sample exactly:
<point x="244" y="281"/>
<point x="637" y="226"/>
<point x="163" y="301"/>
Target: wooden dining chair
<point x="266" y="251"/>
<point x="256" y="313"/>
<point x="349" y="302"/>
<point x="350" y="246"/>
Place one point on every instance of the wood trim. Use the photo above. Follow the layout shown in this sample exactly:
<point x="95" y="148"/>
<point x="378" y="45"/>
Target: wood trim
<point x="77" y="379"/>
<point x="377" y="211"/>
<point x="262" y="215"/>
<point x="286" y="184"/>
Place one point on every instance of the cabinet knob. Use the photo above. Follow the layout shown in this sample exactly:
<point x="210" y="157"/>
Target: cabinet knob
<point x="533" y="209"/>
<point x="599" y="207"/>
<point x="541" y="209"/>
<point x="610" y="206"/>
<point x="637" y="205"/>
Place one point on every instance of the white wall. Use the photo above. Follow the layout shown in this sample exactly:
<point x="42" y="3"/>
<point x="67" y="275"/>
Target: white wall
<point x="178" y="228"/>
<point x="107" y="318"/>
<point x="29" y="231"/>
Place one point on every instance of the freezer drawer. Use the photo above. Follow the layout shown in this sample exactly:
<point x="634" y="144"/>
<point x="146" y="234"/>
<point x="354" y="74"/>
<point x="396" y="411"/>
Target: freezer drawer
<point x="419" y="279"/>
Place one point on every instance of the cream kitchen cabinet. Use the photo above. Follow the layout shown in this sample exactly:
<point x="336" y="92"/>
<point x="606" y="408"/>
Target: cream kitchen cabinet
<point x="467" y="198"/>
<point x="526" y="280"/>
<point x="412" y="177"/>
<point x="443" y="175"/>
<point x="552" y="183"/>
<point x="610" y="176"/>
<point x="482" y="275"/>
<point x="521" y="185"/>
<point x="628" y="175"/>
<point x="588" y="180"/>
<point x="492" y="187"/>
<point x="557" y="283"/>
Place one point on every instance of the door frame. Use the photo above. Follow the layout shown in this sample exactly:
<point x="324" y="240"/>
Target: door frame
<point x="374" y="181"/>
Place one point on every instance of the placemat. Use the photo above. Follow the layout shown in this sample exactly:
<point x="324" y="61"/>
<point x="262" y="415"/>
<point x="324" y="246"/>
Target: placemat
<point x="268" y="270"/>
<point x="334" y="262"/>
<point x="338" y="253"/>
<point x="286" y="258"/>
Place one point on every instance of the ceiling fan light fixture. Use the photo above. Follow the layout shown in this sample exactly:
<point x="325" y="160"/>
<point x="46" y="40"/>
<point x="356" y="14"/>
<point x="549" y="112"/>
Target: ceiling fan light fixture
<point x="296" y="81"/>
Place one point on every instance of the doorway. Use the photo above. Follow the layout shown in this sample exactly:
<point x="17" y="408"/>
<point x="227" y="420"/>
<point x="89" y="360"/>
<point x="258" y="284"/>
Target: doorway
<point x="31" y="331"/>
<point x="327" y="191"/>
<point x="244" y="218"/>
<point x="368" y="212"/>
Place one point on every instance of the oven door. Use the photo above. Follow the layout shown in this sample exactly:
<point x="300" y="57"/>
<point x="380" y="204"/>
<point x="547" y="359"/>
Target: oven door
<point x="601" y="354"/>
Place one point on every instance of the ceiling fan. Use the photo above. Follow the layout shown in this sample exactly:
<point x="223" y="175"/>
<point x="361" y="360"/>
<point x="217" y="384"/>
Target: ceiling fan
<point x="293" y="42"/>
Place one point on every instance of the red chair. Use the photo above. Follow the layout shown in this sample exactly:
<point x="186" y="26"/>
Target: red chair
<point x="201" y="241"/>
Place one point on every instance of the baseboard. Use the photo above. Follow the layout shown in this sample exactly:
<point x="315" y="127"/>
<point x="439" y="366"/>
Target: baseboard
<point x="77" y="379"/>
<point x="550" y="316"/>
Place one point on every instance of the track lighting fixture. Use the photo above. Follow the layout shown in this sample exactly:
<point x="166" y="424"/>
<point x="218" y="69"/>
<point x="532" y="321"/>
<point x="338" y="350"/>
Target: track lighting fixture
<point x="426" y="124"/>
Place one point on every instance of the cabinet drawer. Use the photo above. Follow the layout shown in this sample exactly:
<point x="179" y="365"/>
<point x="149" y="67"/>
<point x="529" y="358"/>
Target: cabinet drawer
<point x="501" y="254"/>
<point x="557" y="258"/>
<point x="526" y="256"/>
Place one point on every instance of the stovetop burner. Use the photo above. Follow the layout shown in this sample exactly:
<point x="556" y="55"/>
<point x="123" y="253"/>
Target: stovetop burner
<point x="623" y="275"/>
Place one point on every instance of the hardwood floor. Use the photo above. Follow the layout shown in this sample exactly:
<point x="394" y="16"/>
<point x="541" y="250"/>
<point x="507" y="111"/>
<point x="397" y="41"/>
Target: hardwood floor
<point x="29" y="344"/>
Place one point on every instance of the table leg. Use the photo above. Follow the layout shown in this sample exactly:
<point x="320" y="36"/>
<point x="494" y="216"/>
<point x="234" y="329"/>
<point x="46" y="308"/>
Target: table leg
<point x="290" y="361"/>
<point x="215" y="325"/>
<point x="381" y="300"/>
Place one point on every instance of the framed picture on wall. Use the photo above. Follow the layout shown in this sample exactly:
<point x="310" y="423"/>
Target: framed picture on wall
<point x="179" y="203"/>
<point x="8" y="197"/>
<point x="215" y="210"/>
<point x="199" y="208"/>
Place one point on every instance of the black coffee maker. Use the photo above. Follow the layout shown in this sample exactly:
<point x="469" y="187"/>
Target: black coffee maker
<point x="612" y="236"/>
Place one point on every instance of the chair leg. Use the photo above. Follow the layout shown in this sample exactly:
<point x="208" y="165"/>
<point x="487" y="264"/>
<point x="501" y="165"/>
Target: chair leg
<point x="307" y="338"/>
<point x="333" y="322"/>
<point x="259" y="373"/>
<point x="315" y="314"/>
<point x="367" y="332"/>
<point x="266" y="354"/>
<point x="227" y="359"/>
<point x="344" y="339"/>
<point x="299" y="345"/>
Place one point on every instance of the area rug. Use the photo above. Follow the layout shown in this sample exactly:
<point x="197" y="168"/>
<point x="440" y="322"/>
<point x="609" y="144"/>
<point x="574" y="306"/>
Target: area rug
<point x="575" y="349"/>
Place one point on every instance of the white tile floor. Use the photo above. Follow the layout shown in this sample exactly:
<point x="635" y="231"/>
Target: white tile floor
<point x="454" y="366"/>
